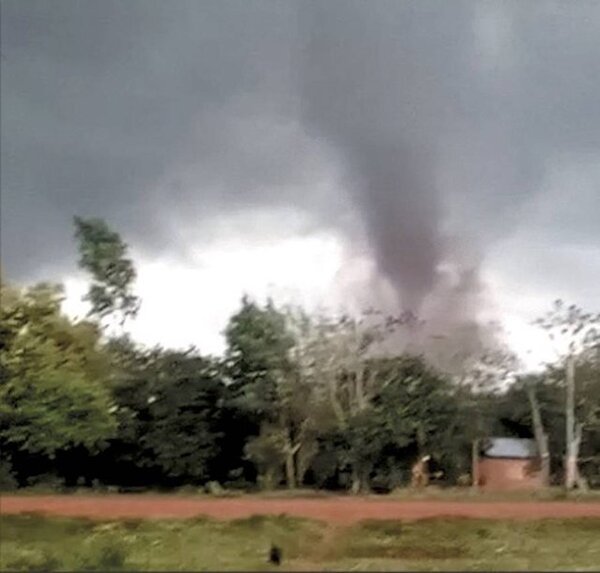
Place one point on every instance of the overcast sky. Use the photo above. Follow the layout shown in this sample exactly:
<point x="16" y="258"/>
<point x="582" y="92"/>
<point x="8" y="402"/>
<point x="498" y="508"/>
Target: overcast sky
<point x="442" y="157"/>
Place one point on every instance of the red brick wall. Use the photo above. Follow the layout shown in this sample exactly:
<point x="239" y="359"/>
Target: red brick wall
<point x="509" y="474"/>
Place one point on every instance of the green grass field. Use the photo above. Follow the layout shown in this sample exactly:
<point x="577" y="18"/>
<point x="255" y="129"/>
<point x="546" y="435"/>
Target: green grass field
<point x="30" y="542"/>
<point x="462" y="494"/>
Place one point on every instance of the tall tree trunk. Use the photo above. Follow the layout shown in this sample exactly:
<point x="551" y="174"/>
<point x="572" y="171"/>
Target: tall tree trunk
<point x="335" y="403"/>
<point x="579" y="479"/>
<point x="360" y="390"/>
<point x="268" y="481"/>
<point x="355" y="486"/>
<point x="290" y="464"/>
<point x="540" y="435"/>
<point x="475" y="464"/>
<point x="421" y="439"/>
<point x="571" y="443"/>
<point x="290" y="470"/>
<point x="365" y="483"/>
<point x="304" y="456"/>
<point x="360" y="481"/>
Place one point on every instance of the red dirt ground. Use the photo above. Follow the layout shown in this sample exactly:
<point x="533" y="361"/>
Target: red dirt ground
<point x="339" y="510"/>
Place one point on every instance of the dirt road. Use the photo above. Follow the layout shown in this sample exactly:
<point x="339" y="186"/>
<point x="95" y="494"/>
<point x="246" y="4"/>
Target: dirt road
<point x="340" y="510"/>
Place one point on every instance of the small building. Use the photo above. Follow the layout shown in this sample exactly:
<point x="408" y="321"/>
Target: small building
<point x="504" y="464"/>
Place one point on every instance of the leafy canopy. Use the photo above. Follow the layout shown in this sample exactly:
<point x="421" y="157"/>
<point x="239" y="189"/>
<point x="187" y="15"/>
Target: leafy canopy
<point x="52" y="395"/>
<point x="104" y="255"/>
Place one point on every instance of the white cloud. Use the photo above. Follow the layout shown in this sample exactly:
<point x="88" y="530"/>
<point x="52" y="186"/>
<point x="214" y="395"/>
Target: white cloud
<point x="552" y="254"/>
<point x="189" y="304"/>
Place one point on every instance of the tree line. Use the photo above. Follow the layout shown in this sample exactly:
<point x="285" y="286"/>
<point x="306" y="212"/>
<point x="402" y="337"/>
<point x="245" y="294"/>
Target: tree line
<point x="297" y="399"/>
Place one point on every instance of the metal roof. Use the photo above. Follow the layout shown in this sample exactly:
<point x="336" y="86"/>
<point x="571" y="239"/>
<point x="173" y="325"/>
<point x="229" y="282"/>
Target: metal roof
<point x="509" y="448"/>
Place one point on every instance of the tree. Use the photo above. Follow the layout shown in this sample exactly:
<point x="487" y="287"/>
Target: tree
<point x="412" y="410"/>
<point x="52" y="392"/>
<point x="417" y="409"/>
<point x="575" y="331"/>
<point x="257" y="356"/>
<point x="268" y="452"/>
<point x="184" y="429"/>
<point x="588" y="412"/>
<point x="525" y="409"/>
<point x="416" y="403"/>
<point x="264" y="384"/>
<point x="125" y="461"/>
<point x="103" y="254"/>
<point x="541" y="437"/>
<point x="175" y="423"/>
<point x="333" y="356"/>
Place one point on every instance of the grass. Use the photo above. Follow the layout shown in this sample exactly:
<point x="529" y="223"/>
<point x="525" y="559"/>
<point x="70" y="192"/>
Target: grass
<point x="32" y="542"/>
<point x="465" y="544"/>
<point x="463" y="494"/>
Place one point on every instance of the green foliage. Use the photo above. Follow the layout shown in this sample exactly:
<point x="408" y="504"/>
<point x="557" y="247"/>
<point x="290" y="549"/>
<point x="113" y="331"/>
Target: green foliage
<point x="8" y="481"/>
<point x="415" y="405"/>
<point x="267" y="452"/>
<point x="183" y="429"/>
<point x="588" y="411"/>
<point x="512" y="414"/>
<point x="414" y="412"/>
<point x="50" y="409"/>
<point x="174" y="423"/>
<point x="52" y="395"/>
<point x="258" y="346"/>
<point x="268" y="387"/>
<point x="571" y="328"/>
<point x="366" y="441"/>
<point x="104" y="255"/>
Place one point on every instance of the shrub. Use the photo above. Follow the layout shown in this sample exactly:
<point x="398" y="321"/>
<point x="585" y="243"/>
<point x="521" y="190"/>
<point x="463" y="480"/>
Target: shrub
<point x="23" y="559"/>
<point x="45" y="482"/>
<point x="103" y="553"/>
<point x="8" y="481"/>
<point x="214" y="488"/>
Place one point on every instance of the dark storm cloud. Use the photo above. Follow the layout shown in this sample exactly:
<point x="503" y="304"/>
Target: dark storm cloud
<point x="100" y="101"/>
<point x="442" y="117"/>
